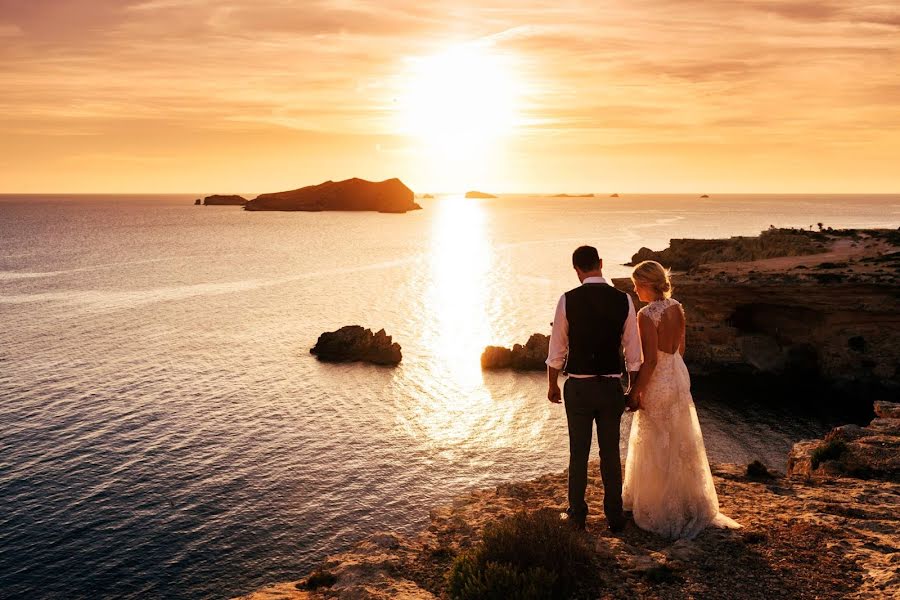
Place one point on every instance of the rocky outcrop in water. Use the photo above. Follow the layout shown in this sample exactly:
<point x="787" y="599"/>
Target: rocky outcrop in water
<point x="220" y="200"/>
<point x="800" y="538"/>
<point x="355" y="343"/>
<point x="390" y="196"/>
<point x="477" y="194"/>
<point x="529" y="357"/>
<point x="198" y="202"/>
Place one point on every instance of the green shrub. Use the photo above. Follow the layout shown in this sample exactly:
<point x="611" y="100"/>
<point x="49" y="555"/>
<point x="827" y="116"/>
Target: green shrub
<point x="525" y="557"/>
<point x="758" y="470"/>
<point x="832" y="450"/>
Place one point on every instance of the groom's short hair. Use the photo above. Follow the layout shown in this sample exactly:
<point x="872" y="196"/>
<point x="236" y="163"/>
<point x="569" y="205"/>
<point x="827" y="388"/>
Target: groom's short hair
<point x="586" y="258"/>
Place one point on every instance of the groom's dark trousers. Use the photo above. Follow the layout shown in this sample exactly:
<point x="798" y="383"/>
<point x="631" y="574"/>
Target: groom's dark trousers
<point x="599" y="400"/>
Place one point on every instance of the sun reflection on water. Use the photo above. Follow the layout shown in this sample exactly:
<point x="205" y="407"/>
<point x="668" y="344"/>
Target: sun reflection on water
<point x="456" y="406"/>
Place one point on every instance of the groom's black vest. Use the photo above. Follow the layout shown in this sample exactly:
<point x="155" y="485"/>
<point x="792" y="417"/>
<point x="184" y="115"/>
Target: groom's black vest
<point x="596" y="313"/>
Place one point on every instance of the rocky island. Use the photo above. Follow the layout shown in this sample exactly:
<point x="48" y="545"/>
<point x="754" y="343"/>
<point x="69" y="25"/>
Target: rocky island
<point x="355" y="343"/>
<point x="828" y="536"/>
<point x="223" y="200"/>
<point x="573" y="195"/>
<point x="529" y="357"/>
<point x="389" y="196"/>
<point x="476" y="194"/>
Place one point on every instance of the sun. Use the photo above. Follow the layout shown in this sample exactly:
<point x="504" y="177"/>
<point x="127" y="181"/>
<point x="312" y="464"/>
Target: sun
<point x="460" y="101"/>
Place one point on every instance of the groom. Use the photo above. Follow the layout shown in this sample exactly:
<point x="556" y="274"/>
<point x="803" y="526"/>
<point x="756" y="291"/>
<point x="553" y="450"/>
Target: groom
<point x="593" y="324"/>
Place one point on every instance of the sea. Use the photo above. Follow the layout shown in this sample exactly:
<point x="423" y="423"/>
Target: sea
<point x="165" y="432"/>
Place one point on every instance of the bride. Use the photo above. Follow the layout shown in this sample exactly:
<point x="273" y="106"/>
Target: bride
<point x="668" y="485"/>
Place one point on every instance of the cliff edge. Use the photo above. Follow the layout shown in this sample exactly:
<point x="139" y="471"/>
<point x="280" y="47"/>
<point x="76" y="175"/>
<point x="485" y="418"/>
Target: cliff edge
<point x="830" y="536"/>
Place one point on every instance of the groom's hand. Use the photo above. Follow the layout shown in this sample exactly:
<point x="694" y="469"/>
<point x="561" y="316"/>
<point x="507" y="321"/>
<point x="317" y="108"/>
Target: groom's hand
<point x="633" y="403"/>
<point x="554" y="395"/>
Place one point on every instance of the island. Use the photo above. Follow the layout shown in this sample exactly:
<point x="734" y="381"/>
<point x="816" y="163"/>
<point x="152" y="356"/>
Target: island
<point x="573" y="195"/>
<point x="355" y="343"/>
<point x="704" y="196"/>
<point x="428" y="196"/>
<point x="613" y="195"/>
<point x="390" y="196"/>
<point x="222" y="200"/>
<point x="825" y="529"/>
<point x="477" y="194"/>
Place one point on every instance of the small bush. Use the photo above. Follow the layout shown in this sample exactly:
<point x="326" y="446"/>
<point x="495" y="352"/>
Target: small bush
<point x="661" y="574"/>
<point x="525" y="557"/>
<point x="757" y="470"/>
<point x="319" y="579"/>
<point x="832" y="450"/>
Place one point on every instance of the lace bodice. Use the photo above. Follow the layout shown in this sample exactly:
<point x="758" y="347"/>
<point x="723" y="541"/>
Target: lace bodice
<point x="657" y="308"/>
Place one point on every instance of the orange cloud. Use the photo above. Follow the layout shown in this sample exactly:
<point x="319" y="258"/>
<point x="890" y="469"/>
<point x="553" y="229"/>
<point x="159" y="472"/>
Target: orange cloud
<point x="254" y="95"/>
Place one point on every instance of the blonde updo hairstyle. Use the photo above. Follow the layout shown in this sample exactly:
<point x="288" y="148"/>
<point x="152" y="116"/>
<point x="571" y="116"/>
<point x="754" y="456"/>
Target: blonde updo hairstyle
<point x="654" y="276"/>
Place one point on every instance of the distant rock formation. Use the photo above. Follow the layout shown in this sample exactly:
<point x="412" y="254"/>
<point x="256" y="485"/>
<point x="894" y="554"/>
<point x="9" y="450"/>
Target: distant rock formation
<point x="428" y="197"/>
<point x="613" y="195"/>
<point x="355" y="343"/>
<point x="871" y="452"/>
<point x="573" y="195"/>
<point x="390" y="196"/>
<point x="198" y="202"/>
<point x="477" y="194"/>
<point x="704" y="196"/>
<point x="529" y="357"/>
<point x="220" y="200"/>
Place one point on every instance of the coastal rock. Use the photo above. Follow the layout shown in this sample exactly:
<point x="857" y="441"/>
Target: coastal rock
<point x="476" y="194"/>
<point x="220" y="200"/>
<point x="390" y="196"/>
<point x="529" y="357"/>
<point x="685" y="254"/>
<point x="428" y="196"/>
<point x="871" y="452"/>
<point x="887" y="410"/>
<point x="198" y="202"/>
<point x="763" y="316"/>
<point x="355" y="343"/>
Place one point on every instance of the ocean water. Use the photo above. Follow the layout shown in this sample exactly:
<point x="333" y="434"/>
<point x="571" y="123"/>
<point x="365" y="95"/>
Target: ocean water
<point x="165" y="433"/>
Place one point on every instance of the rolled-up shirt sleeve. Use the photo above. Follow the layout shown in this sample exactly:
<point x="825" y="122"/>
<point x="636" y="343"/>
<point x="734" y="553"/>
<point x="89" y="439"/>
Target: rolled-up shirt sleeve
<point x="631" y="340"/>
<point x="559" y="336"/>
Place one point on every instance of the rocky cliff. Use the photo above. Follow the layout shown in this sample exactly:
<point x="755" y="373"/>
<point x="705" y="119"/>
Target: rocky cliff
<point x="831" y="316"/>
<point x="833" y="537"/>
<point x="355" y="194"/>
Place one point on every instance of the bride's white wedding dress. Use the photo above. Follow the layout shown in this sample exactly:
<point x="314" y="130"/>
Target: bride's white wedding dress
<point x="668" y="485"/>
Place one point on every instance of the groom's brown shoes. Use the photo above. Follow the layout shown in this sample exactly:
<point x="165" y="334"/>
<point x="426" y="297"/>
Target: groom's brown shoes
<point x="574" y="522"/>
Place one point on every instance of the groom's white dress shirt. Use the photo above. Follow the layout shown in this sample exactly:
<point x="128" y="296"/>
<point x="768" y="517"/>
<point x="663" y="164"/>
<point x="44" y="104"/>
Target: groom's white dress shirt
<point x="559" y="337"/>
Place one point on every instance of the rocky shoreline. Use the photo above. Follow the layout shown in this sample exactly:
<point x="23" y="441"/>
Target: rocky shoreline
<point x="830" y="535"/>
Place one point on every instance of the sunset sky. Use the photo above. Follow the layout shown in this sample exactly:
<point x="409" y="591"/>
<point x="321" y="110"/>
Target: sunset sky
<point x="510" y="96"/>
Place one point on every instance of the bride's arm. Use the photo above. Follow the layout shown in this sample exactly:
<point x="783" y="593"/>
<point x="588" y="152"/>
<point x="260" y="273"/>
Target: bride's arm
<point x="648" y="342"/>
